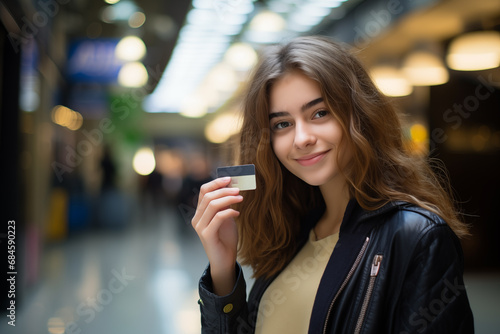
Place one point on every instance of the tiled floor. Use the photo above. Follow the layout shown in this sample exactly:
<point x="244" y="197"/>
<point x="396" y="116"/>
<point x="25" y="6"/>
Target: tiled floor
<point x="144" y="280"/>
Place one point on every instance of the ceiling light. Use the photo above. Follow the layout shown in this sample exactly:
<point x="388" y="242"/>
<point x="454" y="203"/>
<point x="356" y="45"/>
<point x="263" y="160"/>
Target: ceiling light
<point x="267" y="21"/>
<point x="475" y="51"/>
<point x="222" y="78"/>
<point x="241" y="56"/>
<point x="201" y="17"/>
<point x="203" y="4"/>
<point x="391" y="81"/>
<point x="194" y="108"/>
<point x="133" y="75"/>
<point x="202" y="43"/>
<point x="222" y="128"/>
<point x="314" y="9"/>
<point x="130" y="48"/>
<point x="144" y="161"/>
<point x="136" y="20"/>
<point x="266" y="27"/>
<point x="304" y="19"/>
<point x="118" y="12"/>
<point x="242" y="7"/>
<point x="425" y="69"/>
<point x="330" y="3"/>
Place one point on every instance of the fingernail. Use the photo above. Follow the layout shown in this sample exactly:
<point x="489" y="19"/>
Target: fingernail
<point x="226" y="178"/>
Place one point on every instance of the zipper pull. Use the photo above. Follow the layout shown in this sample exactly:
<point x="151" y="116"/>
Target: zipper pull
<point x="377" y="259"/>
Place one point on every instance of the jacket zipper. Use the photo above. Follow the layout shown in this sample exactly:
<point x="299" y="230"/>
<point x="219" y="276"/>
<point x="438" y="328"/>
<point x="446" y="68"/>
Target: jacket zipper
<point x="346" y="280"/>
<point x="377" y="259"/>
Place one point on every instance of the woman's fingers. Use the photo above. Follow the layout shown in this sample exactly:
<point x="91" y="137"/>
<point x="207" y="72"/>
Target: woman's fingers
<point x="213" y="185"/>
<point x="212" y="191"/>
<point x="213" y="208"/>
<point x="212" y="230"/>
<point x="216" y="194"/>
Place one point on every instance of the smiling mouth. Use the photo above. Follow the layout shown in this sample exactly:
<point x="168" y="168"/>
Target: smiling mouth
<point x="311" y="159"/>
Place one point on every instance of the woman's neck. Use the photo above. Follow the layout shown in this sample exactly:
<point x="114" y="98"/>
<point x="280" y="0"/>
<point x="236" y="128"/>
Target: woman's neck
<point x="336" y="196"/>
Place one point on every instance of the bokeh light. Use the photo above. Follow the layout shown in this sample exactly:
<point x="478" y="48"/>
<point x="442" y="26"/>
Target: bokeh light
<point x="144" y="161"/>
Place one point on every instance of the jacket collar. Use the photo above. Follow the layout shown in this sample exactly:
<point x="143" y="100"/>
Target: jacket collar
<point x="360" y="221"/>
<point x="356" y="219"/>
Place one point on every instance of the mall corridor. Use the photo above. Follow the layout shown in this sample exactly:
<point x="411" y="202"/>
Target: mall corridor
<point x="113" y="114"/>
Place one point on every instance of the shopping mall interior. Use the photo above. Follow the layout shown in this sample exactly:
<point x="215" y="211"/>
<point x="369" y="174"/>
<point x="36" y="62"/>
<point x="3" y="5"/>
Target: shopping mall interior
<point x="115" y="112"/>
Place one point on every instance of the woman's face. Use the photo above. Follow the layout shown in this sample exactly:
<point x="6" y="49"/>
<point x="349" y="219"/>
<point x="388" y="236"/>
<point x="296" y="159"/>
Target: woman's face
<point x="305" y="136"/>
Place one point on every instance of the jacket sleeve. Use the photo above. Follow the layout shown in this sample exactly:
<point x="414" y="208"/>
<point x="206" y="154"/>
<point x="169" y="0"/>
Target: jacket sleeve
<point x="223" y="314"/>
<point x="433" y="298"/>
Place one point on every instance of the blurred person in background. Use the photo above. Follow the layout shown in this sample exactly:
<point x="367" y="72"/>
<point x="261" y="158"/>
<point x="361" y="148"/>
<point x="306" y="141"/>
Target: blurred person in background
<point x="111" y="205"/>
<point x="198" y="173"/>
<point x="108" y="169"/>
<point x="346" y="232"/>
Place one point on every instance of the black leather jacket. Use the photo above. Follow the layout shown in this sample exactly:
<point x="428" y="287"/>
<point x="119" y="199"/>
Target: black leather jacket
<point x="397" y="269"/>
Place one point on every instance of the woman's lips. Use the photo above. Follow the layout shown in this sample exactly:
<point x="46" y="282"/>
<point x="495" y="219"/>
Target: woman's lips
<point x="311" y="159"/>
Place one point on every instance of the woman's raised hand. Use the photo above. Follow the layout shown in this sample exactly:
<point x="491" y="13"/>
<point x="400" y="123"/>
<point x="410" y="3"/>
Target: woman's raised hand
<point x="214" y="223"/>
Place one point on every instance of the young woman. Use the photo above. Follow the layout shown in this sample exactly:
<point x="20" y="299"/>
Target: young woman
<point x="347" y="232"/>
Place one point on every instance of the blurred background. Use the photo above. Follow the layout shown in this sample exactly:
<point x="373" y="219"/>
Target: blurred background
<point x="114" y="112"/>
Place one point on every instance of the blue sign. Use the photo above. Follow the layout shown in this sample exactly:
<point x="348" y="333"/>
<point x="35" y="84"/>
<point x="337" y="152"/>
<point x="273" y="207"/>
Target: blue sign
<point x="93" y="60"/>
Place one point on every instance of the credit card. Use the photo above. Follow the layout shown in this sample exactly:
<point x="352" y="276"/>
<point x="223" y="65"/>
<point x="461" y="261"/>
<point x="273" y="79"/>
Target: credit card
<point x="242" y="177"/>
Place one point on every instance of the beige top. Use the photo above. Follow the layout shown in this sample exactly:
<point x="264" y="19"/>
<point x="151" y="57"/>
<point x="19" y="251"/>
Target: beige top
<point x="286" y="305"/>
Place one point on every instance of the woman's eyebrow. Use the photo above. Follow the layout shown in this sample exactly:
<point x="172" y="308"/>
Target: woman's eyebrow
<point x="311" y="104"/>
<point x="278" y="114"/>
<point x="304" y="107"/>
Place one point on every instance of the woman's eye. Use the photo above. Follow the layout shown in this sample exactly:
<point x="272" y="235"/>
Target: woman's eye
<point x="320" y="113"/>
<point x="281" y="125"/>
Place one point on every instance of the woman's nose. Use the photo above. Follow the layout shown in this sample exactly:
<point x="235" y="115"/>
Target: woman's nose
<point x="304" y="136"/>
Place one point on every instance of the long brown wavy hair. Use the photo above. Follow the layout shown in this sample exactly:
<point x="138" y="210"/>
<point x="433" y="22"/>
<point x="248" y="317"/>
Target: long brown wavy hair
<point x="381" y="169"/>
